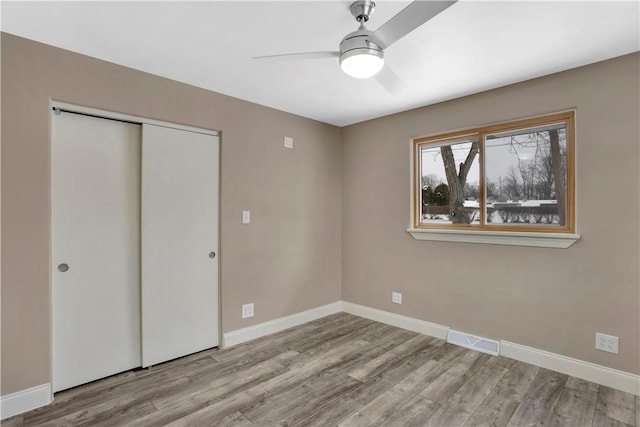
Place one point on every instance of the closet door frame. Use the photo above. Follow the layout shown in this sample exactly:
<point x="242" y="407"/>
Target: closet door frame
<point x="74" y="108"/>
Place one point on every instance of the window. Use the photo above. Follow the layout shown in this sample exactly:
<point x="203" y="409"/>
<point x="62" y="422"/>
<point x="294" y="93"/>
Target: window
<point x="508" y="178"/>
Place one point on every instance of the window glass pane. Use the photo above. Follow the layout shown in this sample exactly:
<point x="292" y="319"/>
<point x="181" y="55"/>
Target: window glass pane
<point x="450" y="183"/>
<point x="525" y="176"/>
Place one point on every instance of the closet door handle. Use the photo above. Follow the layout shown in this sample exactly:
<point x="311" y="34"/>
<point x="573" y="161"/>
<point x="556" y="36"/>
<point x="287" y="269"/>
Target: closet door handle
<point x="212" y="254"/>
<point x="63" y="267"/>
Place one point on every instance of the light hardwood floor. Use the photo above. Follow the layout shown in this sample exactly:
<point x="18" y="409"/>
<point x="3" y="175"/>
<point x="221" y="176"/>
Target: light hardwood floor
<point x="340" y="370"/>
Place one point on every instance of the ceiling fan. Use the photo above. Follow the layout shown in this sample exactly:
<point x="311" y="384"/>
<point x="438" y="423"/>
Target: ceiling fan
<point x="361" y="53"/>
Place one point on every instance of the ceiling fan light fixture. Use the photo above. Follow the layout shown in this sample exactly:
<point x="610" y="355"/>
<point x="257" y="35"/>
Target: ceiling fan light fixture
<point x="360" y="56"/>
<point x="362" y="64"/>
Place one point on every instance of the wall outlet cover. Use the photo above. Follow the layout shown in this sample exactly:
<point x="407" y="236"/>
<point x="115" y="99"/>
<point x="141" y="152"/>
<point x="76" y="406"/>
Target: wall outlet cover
<point x="288" y="142"/>
<point x="247" y="310"/>
<point x="396" y="297"/>
<point x="608" y="343"/>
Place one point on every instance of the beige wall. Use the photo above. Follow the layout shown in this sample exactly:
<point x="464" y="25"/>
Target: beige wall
<point x="329" y="216"/>
<point x="551" y="299"/>
<point x="288" y="260"/>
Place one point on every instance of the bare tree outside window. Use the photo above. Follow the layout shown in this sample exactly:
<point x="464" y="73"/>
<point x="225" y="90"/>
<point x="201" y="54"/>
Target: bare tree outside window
<point x="530" y="164"/>
<point x="451" y="183"/>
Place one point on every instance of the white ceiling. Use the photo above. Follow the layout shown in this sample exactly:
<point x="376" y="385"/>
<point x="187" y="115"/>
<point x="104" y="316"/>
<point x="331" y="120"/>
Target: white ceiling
<point x="470" y="47"/>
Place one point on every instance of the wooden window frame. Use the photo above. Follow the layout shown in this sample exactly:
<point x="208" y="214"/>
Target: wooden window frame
<point x="566" y="117"/>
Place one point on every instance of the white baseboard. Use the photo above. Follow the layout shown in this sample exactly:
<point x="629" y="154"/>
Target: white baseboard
<point x="599" y="374"/>
<point x="393" y="319"/>
<point x="25" y="400"/>
<point x="261" y="329"/>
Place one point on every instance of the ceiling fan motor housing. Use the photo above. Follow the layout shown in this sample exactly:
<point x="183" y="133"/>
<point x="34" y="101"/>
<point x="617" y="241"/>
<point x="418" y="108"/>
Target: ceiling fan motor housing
<point x="359" y="43"/>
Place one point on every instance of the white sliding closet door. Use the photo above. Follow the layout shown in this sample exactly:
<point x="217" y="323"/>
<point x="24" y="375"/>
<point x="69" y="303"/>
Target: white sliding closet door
<point x="179" y="243"/>
<point x="95" y="233"/>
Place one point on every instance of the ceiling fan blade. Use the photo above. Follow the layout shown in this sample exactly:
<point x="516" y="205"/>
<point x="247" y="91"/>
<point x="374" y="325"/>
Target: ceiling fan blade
<point x="390" y="80"/>
<point x="407" y="20"/>
<point x="298" y="56"/>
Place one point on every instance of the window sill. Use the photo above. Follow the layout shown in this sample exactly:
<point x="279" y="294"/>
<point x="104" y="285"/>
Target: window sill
<point x="512" y="238"/>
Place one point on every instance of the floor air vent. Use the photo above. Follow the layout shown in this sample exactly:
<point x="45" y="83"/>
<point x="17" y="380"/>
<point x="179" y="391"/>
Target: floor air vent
<point x="484" y="345"/>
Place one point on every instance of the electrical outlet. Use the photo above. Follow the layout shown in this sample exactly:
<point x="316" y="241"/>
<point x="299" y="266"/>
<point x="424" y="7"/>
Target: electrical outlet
<point x="607" y="343"/>
<point x="396" y="297"/>
<point x="246" y="217"/>
<point x="288" y="142"/>
<point x="247" y="310"/>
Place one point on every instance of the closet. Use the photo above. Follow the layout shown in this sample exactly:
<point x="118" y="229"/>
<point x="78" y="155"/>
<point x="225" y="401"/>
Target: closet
<point x="134" y="244"/>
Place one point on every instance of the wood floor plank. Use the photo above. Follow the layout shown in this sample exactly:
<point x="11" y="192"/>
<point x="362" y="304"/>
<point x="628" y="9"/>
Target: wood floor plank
<point x="135" y="390"/>
<point x="234" y="420"/>
<point x="380" y="330"/>
<point x="287" y="401"/>
<point x="402" y="367"/>
<point x="327" y="321"/>
<point x="221" y="385"/>
<point x="392" y="339"/>
<point x="332" y="327"/>
<point x="499" y="406"/>
<point x="378" y="364"/>
<point x="164" y="416"/>
<point x="339" y="409"/>
<point x="457" y="410"/>
<point x="297" y="374"/>
<point x="285" y="358"/>
<point x="123" y="407"/>
<point x="582" y="385"/>
<point x="324" y="381"/>
<point x="313" y="340"/>
<point x="208" y="394"/>
<point x="539" y="399"/>
<point x="121" y="416"/>
<point x="268" y="343"/>
<point x="218" y="411"/>
<point x="319" y="402"/>
<point x="117" y="414"/>
<point x="447" y="353"/>
<point x="328" y="345"/>
<point x="414" y="413"/>
<point x="637" y="411"/>
<point x="380" y="383"/>
<point x="452" y="379"/>
<point x="186" y="407"/>
<point x="382" y="408"/>
<point x="248" y="356"/>
<point x="16" y="421"/>
<point x="297" y="339"/>
<point x="575" y="407"/>
<point x="228" y="368"/>
<point x="600" y="420"/>
<point x="616" y="405"/>
<point x="326" y="403"/>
